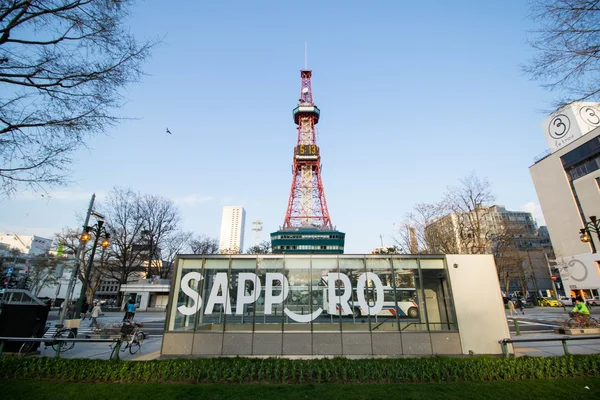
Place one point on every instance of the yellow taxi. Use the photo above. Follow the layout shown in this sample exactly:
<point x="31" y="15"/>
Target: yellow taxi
<point x="548" y="302"/>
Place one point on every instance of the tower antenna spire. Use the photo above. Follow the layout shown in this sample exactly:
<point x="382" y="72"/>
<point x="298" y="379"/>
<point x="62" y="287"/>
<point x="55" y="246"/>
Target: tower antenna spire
<point x="305" y="56"/>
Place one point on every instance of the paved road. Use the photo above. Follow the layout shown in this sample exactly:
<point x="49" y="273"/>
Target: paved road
<point x="540" y="319"/>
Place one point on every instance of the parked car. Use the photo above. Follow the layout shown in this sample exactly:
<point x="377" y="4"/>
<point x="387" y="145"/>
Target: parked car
<point x="566" y="301"/>
<point x="593" y="301"/>
<point x="550" y="302"/>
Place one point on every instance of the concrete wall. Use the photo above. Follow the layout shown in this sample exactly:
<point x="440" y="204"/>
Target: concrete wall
<point x="359" y="344"/>
<point x="478" y="303"/>
<point x="558" y="204"/>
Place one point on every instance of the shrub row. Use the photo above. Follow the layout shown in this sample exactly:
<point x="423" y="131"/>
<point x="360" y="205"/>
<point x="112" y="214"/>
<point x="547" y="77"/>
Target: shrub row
<point x="273" y="370"/>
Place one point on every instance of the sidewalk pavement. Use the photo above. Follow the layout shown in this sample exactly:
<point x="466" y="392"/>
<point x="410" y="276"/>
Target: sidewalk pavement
<point x="547" y="349"/>
<point x="150" y="350"/>
<point x="117" y="317"/>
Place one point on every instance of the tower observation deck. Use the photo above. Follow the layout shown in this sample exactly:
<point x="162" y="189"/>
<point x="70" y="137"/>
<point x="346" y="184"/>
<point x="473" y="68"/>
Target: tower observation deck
<point x="307" y="225"/>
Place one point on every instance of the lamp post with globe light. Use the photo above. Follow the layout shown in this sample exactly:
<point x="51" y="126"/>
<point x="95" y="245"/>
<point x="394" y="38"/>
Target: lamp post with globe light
<point x="592" y="226"/>
<point x="99" y="231"/>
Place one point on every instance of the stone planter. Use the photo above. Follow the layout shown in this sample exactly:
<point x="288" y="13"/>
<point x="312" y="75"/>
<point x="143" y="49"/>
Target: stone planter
<point x="577" y="331"/>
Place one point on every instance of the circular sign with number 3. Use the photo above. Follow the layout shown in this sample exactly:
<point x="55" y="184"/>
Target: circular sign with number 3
<point x="559" y="126"/>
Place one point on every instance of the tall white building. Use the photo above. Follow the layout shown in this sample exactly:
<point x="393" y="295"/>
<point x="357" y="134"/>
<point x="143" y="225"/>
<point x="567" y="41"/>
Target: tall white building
<point x="232" y="230"/>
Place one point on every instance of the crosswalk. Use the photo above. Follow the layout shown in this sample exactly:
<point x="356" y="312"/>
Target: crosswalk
<point x="82" y="330"/>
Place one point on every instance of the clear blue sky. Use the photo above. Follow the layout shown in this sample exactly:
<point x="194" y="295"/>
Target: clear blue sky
<point x="413" y="96"/>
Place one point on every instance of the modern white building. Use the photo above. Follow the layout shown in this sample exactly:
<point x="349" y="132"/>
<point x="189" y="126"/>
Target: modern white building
<point x="32" y="245"/>
<point x="232" y="230"/>
<point x="567" y="182"/>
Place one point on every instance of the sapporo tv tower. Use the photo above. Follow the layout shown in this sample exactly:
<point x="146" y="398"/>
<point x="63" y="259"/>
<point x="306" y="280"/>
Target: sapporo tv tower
<point x="307" y="226"/>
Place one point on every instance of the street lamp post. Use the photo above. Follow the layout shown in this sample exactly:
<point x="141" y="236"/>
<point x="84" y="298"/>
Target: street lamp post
<point x="99" y="231"/>
<point x="75" y="270"/>
<point x="593" y="226"/>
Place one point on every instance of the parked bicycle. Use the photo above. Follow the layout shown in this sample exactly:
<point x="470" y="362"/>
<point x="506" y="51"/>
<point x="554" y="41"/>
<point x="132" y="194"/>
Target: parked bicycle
<point x="40" y="331"/>
<point x="131" y="336"/>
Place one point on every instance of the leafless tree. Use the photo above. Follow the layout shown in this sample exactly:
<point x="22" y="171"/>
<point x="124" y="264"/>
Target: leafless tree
<point x="425" y="229"/>
<point x="161" y="220"/>
<point x="125" y="224"/>
<point x="141" y="226"/>
<point x="204" y="245"/>
<point x="567" y="48"/>
<point x="41" y="272"/>
<point x="173" y="244"/>
<point x="63" y="64"/>
<point x="507" y="255"/>
<point x="263" y="247"/>
<point x="469" y="204"/>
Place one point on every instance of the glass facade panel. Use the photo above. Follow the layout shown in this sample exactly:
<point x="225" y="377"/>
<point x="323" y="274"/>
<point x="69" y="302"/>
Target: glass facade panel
<point x="215" y="294"/>
<point x="273" y="320"/>
<point x="244" y="289"/>
<point x="307" y="293"/>
<point x="438" y="302"/>
<point x="297" y="304"/>
<point x="353" y="314"/>
<point x="411" y="313"/>
<point x="321" y="268"/>
<point x="187" y="320"/>
<point x="385" y="315"/>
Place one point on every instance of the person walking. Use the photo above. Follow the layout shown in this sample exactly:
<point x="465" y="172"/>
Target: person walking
<point x="131" y="309"/>
<point x="521" y="306"/>
<point x="84" y="310"/>
<point x="96" y="312"/>
<point x="511" y="308"/>
<point x="71" y="310"/>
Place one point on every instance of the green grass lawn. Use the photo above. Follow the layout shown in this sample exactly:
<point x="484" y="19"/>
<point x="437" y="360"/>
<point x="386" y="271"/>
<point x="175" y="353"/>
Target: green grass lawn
<point x="573" y="388"/>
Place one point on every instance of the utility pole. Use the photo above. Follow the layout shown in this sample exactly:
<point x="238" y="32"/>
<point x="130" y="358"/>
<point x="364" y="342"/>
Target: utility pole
<point x="78" y="255"/>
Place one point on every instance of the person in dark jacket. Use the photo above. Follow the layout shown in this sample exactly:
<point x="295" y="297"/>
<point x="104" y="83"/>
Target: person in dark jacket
<point x="84" y="310"/>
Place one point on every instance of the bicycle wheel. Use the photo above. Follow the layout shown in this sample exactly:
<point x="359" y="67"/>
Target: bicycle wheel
<point x="64" y="345"/>
<point x="26" y="347"/>
<point x="136" y="342"/>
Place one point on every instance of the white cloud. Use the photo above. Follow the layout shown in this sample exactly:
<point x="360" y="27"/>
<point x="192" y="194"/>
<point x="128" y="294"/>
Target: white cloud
<point x="192" y="199"/>
<point x="536" y="212"/>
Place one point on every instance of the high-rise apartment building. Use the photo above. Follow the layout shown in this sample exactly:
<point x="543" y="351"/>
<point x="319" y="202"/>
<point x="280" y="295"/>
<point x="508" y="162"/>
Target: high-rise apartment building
<point x="232" y="230"/>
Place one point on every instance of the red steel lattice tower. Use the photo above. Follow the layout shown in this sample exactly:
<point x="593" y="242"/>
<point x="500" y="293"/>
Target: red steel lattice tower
<point x="307" y="206"/>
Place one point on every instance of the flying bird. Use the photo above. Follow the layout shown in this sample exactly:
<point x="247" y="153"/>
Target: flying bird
<point x="168" y="131"/>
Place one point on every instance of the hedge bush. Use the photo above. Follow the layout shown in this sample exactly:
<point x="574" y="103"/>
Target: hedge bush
<point x="277" y="370"/>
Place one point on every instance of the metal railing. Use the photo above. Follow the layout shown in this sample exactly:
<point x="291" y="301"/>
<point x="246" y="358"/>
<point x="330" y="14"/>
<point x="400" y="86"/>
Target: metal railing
<point x="59" y="340"/>
<point x="505" y="342"/>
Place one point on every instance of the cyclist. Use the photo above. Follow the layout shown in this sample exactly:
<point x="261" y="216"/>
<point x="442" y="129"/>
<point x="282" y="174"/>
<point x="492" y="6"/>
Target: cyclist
<point x="580" y="308"/>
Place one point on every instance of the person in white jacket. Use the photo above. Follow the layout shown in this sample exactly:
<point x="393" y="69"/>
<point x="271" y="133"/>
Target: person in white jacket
<point x="96" y="312"/>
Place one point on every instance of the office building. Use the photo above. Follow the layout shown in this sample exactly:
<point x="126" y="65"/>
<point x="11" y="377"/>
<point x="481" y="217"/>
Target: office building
<point x="567" y="182"/>
<point x="24" y="244"/>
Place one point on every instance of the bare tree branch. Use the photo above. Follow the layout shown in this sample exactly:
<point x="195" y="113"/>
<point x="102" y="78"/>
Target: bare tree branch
<point x="63" y="64"/>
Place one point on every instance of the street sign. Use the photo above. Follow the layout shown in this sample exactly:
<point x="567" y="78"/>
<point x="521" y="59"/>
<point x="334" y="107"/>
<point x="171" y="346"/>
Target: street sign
<point x="9" y="271"/>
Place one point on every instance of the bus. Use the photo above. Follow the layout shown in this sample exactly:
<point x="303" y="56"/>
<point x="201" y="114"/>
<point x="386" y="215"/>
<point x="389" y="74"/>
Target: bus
<point x="403" y="304"/>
